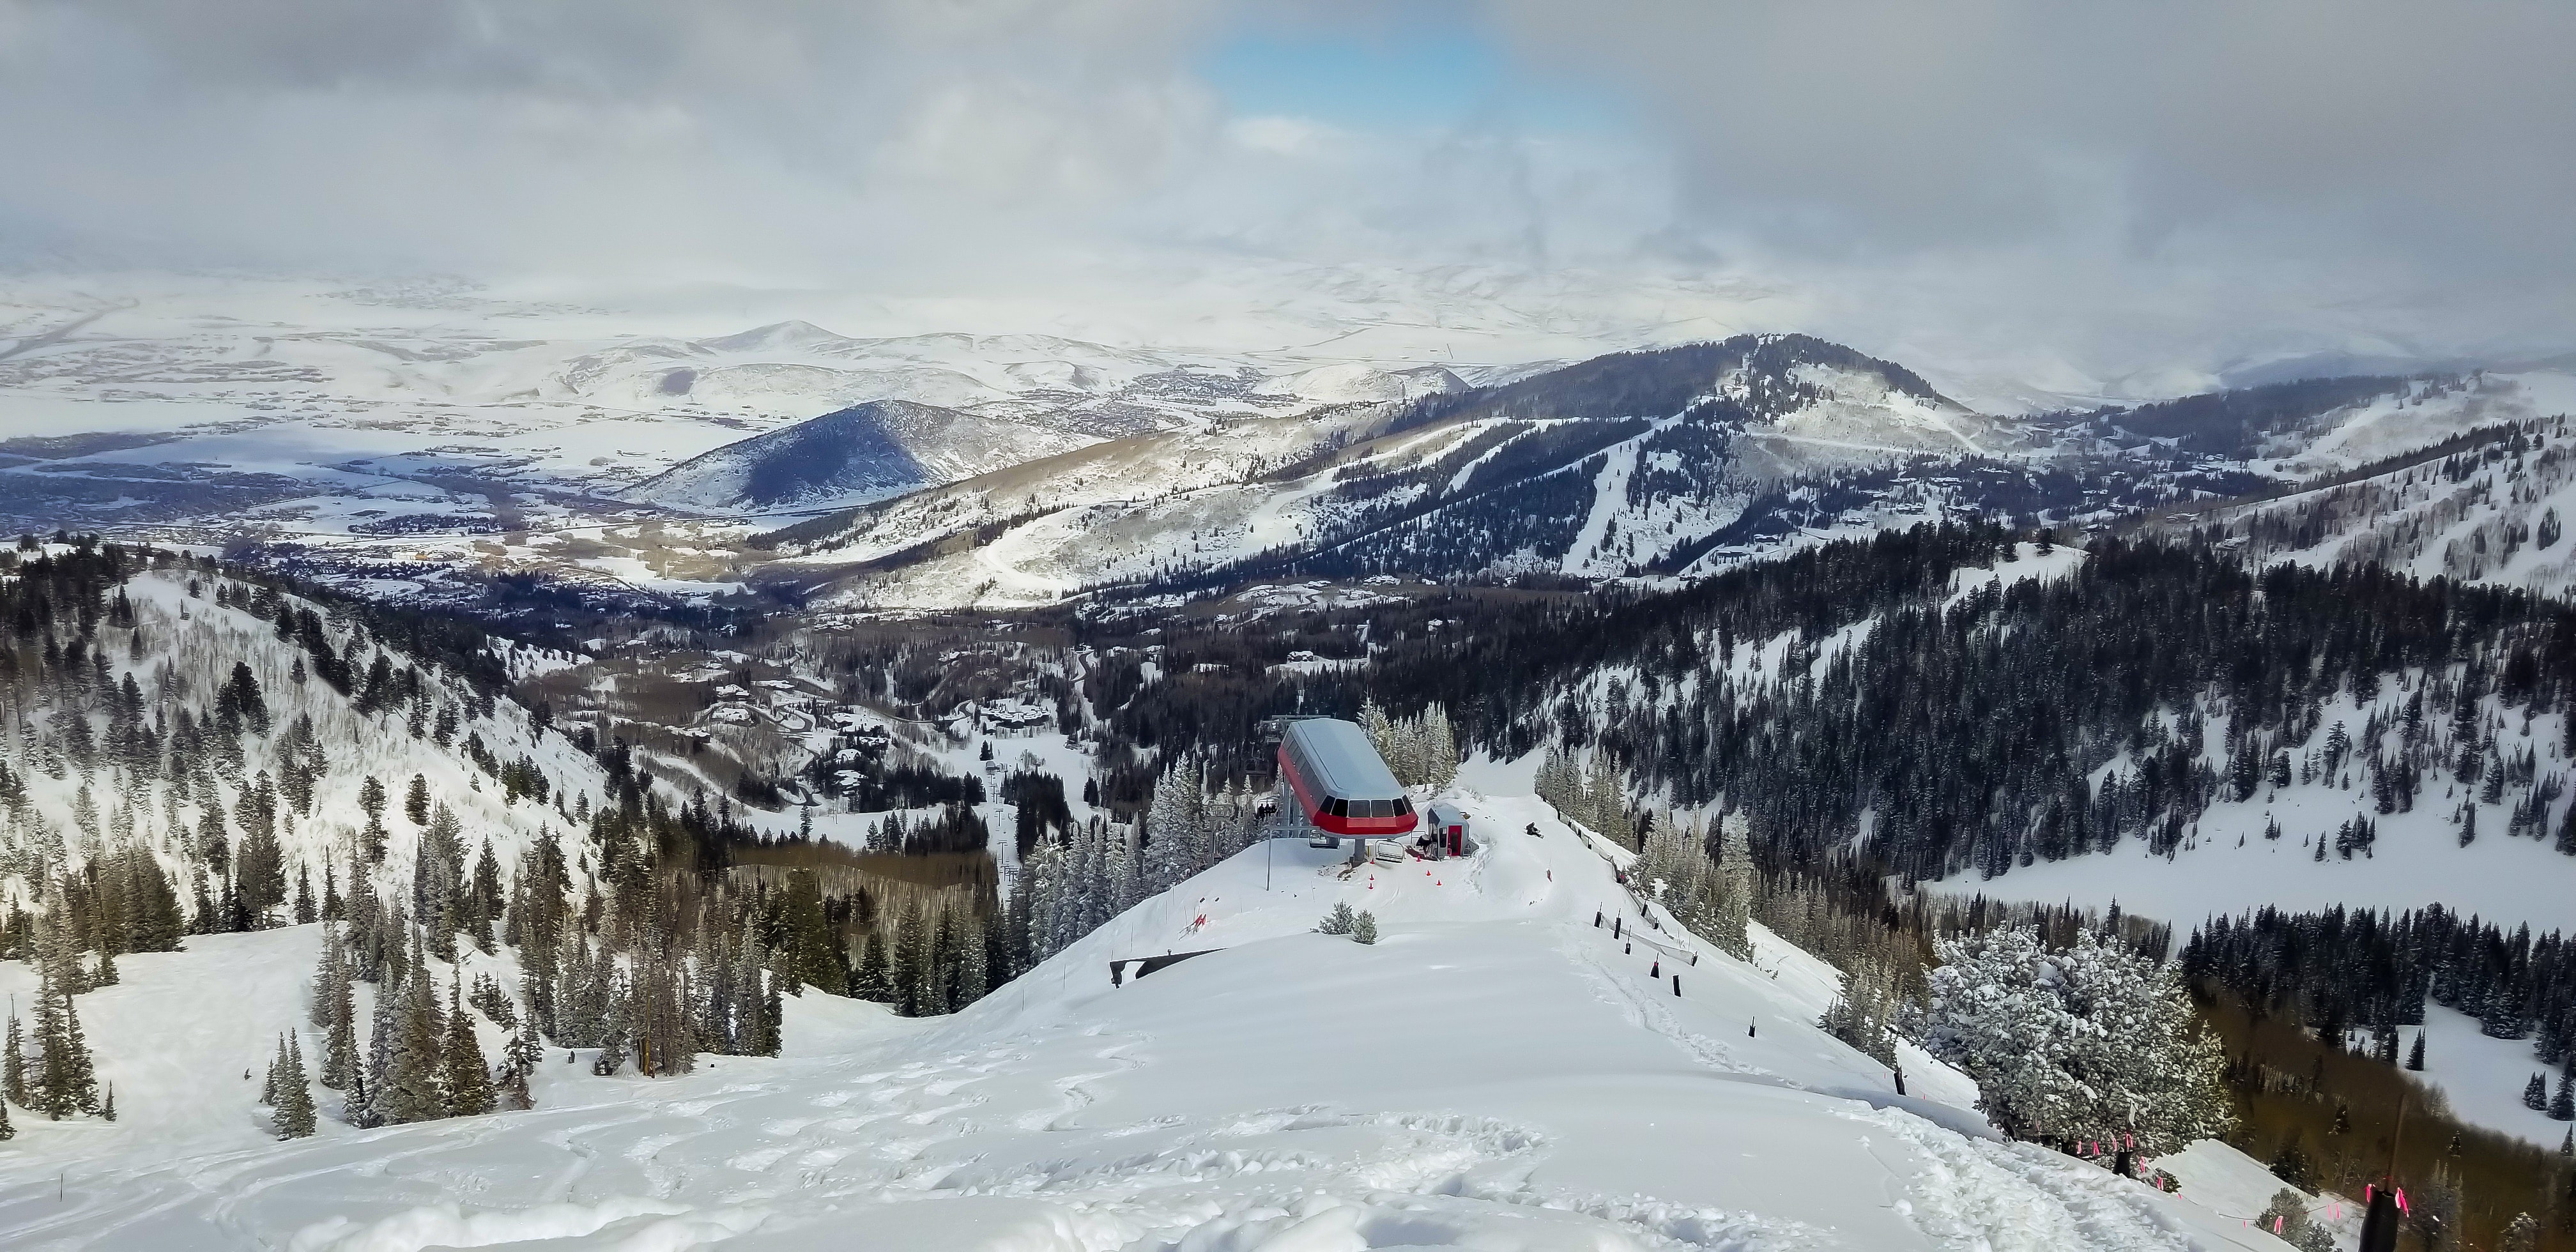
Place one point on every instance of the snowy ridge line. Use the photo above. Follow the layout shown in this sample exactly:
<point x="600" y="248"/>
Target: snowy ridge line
<point x="1467" y="1081"/>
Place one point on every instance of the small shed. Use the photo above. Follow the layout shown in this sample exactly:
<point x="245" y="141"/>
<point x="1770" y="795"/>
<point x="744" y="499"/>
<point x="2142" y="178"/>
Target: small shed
<point x="1448" y="825"/>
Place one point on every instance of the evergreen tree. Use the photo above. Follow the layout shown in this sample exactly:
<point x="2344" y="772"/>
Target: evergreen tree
<point x="871" y="980"/>
<point x="1733" y="912"/>
<point x="293" y="1094"/>
<point x="13" y="1066"/>
<point x="1608" y="800"/>
<point x="369" y="1102"/>
<point x="409" y="1091"/>
<point x="2522" y="1234"/>
<point x="2287" y="1219"/>
<point x="268" y="1080"/>
<point x="2291" y="1164"/>
<point x="326" y="975"/>
<point x="612" y="1046"/>
<point x="2086" y="1043"/>
<point x="64" y="1082"/>
<point x="340" y="1047"/>
<point x="468" y="1081"/>
<point x="525" y="1050"/>
<point x="371" y="800"/>
<point x="808" y="953"/>
<point x="2415" y="1054"/>
<point x="909" y="963"/>
<point x="1863" y="1013"/>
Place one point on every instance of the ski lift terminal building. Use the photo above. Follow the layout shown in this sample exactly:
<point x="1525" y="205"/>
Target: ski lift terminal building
<point x="1336" y="778"/>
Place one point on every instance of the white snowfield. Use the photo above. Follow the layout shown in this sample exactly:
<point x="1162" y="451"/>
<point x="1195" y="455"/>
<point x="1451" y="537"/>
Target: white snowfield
<point x="1495" y="1073"/>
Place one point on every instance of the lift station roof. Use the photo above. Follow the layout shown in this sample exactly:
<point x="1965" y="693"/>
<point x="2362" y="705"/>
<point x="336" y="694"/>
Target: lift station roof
<point x="1342" y="759"/>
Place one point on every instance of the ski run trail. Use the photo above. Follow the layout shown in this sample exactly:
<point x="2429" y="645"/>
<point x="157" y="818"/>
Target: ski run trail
<point x="1496" y="1073"/>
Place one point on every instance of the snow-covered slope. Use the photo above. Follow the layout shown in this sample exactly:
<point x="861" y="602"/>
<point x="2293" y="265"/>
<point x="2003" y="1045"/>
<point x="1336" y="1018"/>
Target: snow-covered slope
<point x="2484" y="503"/>
<point x="180" y="654"/>
<point x="1496" y="1072"/>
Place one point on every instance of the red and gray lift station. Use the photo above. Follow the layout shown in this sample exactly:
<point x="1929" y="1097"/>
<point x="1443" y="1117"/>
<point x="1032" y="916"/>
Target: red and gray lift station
<point x="1329" y="771"/>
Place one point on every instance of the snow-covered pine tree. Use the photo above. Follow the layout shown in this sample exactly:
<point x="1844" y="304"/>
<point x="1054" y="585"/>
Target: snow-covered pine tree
<point x="1126" y="868"/>
<point x="2522" y="1234"/>
<point x="466" y="1080"/>
<point x="2091" y="1042"/>
<point x="1340" y="921"/>
<point x="1607" y="797"/>
<point x="1364" y="928"/>
<point x="13" y="1065"/>
<point x="1676" y="869"/>
<point x="411" y="1090"/>
<point x="276" y="1066"/>
<point x="1732" y="912"/>
<point x="292" y="1101"/>
<point x="1379" y="728"/>
<point x="326" y="974"/>
<point x="2287" y="1219"/>
<point x="1440" y="747"/>
<point x="340" y="1046"/>
<point x="1561" y="785"/>
<point x="612" y="1039"/>
<point x="368" y="1102"/>
<point x="1864" y="1011"/>
<point x="1176" y="834"/>
<point x="64" y="1082"/>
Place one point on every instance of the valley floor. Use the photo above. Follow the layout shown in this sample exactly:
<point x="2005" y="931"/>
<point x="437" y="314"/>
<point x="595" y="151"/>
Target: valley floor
<point x="1496" y="1072"/>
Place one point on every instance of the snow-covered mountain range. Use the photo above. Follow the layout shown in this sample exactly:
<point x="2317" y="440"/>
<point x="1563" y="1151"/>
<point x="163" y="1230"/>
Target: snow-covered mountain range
<point x="1664" y="464"/>
<point x="397" y="432"/>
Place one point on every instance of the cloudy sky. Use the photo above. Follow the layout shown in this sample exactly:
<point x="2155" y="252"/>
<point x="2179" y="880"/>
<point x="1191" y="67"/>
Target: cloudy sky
<point x="2087" y="198"/>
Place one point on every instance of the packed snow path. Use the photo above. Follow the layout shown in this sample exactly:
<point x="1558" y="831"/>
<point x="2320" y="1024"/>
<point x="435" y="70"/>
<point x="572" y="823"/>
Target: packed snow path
<point x="1495" y="1073"/>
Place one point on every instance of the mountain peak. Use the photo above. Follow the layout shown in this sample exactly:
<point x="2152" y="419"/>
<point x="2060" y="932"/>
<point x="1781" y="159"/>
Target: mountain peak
<point x="777" y="336"/>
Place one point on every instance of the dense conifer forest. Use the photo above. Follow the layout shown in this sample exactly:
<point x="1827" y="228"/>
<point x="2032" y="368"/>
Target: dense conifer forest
<point x="1974" y="731"/>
